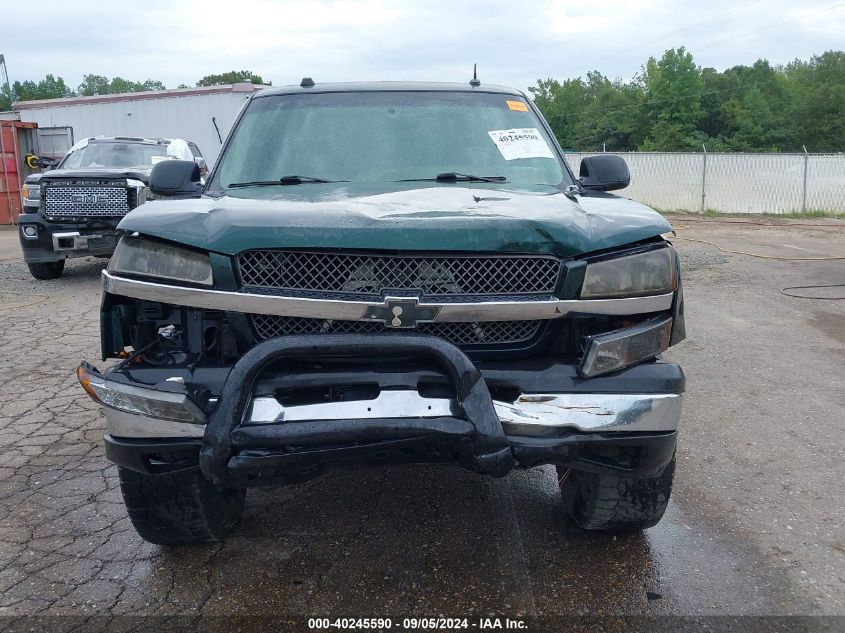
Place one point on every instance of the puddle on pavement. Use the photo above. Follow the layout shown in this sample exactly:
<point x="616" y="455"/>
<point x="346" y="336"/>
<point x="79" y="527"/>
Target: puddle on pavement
<point x="708" y="573"/>
<point x="441" y="540"/>
<point x="830" y="323"/>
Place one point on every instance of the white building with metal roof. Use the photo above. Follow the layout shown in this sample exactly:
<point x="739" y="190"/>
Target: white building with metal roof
<point x="203" y="115"/>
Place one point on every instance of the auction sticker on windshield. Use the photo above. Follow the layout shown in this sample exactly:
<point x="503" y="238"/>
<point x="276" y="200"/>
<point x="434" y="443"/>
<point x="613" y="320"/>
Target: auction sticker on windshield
<point x="521" y="143"/>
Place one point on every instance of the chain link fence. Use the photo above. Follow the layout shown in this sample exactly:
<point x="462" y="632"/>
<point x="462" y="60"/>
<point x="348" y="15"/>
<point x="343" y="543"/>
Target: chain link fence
<point x="734" y="183"/>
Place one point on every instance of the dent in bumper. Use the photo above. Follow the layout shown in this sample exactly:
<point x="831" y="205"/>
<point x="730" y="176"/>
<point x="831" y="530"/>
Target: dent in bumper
<point x="547" y="414"/>
<point x="532" y="415"/>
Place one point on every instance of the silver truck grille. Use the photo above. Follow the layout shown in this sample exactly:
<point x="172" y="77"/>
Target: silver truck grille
<point x="489" y="332"/>
<point x="432" y="276"/>
<point x="86" y="200"/>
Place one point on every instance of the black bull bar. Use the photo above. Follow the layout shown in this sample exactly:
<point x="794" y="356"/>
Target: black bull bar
<point x="478" y="428"/>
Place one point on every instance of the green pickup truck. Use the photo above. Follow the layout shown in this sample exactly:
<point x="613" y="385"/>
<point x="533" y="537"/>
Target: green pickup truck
<point x="386" y="273"/>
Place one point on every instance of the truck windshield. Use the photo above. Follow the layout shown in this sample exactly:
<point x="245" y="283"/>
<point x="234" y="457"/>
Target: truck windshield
<point x="95" y="154"/>
<point x="378" y="137"/>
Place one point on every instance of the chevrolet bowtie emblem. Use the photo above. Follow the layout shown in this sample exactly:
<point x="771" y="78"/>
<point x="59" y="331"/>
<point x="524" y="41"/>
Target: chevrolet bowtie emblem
<point x="401" y="313"/>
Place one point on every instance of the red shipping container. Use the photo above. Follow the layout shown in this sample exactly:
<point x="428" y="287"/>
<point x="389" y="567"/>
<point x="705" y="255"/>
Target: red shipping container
<point x="12" y="172"/>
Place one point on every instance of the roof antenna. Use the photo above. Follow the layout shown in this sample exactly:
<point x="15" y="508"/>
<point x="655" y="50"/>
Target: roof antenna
<point x="474" y="81"/>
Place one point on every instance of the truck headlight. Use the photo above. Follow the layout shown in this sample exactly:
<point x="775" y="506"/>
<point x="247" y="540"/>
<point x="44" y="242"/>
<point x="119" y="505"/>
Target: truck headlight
<point x="142" y="192"/>
<point x="604" y="353"/>
<point x="31" y="195"/>
<point x="138" y="256"/>
<point x="163" y="405"/>
<point x="641" y="274"/>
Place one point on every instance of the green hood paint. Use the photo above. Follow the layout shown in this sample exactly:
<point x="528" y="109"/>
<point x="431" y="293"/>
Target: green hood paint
<point x="400" y="217"/>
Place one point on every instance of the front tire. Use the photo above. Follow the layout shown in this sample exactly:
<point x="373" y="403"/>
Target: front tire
<point x="607" y="502"/>
<point x="181" y="508"/>
<point x="47" y="270"/>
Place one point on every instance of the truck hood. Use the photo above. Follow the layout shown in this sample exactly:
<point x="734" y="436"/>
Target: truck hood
<point x="100" y="172"/>
<point x="430" y="217"/>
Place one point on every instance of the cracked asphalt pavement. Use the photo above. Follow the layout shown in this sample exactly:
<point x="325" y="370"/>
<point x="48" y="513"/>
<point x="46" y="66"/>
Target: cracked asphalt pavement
<point x="755" y="525"/>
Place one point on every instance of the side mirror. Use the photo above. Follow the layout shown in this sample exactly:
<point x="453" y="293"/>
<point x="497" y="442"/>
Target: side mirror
<point x="604" y="172"/>
<point x="175" y="178"/>
<point x="43" y="162"/>
<point x="200" y="161"/>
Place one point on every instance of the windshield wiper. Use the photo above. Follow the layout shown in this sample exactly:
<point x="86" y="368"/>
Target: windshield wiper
<point x="284" y="180"/>
<point x="453" y="176"/>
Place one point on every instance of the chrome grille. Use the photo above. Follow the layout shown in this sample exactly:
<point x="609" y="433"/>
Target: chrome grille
<point x="432" y="276"/>
<point x="86" y="199"/>
<point x="480" y="333"/>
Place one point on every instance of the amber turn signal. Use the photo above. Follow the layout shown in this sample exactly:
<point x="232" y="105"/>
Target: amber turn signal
<point x="85" y="380"/>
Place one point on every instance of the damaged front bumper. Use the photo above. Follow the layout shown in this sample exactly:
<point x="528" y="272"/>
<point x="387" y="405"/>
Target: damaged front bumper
<point x="43" y="241"/>
<point x="240" y="438"/>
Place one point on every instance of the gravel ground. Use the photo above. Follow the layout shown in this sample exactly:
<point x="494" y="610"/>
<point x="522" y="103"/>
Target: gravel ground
<point x="755" y="526"/>
<point x="695" y="258"/>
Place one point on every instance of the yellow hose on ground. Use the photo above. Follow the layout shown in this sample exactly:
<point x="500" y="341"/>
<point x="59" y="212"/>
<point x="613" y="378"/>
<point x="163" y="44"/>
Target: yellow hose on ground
<point x="727" y="250"/>
<point x="793" y="259"/>
<point x="16" y="305"/>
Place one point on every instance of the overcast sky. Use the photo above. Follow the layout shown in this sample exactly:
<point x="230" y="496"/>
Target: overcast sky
<point x="513" y="42"/>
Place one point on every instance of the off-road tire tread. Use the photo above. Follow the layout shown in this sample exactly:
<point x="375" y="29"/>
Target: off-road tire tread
<point x="607" y="502"/>
<point x="180" y="508"/>
<point x="46" y="270"/>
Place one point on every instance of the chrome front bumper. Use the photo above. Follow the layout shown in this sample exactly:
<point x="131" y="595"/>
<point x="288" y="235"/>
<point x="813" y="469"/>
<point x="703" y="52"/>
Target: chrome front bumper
<point x="248" y="439"/>
<point x="72" y="241"/>
<point x="530" y="415"/>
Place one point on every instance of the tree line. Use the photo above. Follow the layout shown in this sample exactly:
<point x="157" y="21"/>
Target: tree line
<point x="52" y="87"/>
<point x="674" y="105"/>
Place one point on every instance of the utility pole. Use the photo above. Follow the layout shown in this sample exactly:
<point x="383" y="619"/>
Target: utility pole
<point x="703" y="175"/>
<point x="804" y="187"/>
<point x="4" y="75"/>
<point x="4" y="78"/>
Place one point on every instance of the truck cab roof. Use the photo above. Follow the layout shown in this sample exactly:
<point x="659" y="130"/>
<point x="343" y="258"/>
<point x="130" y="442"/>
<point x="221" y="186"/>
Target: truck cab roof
<point x="386" y="86"/>
<point x="132" y="139"/>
